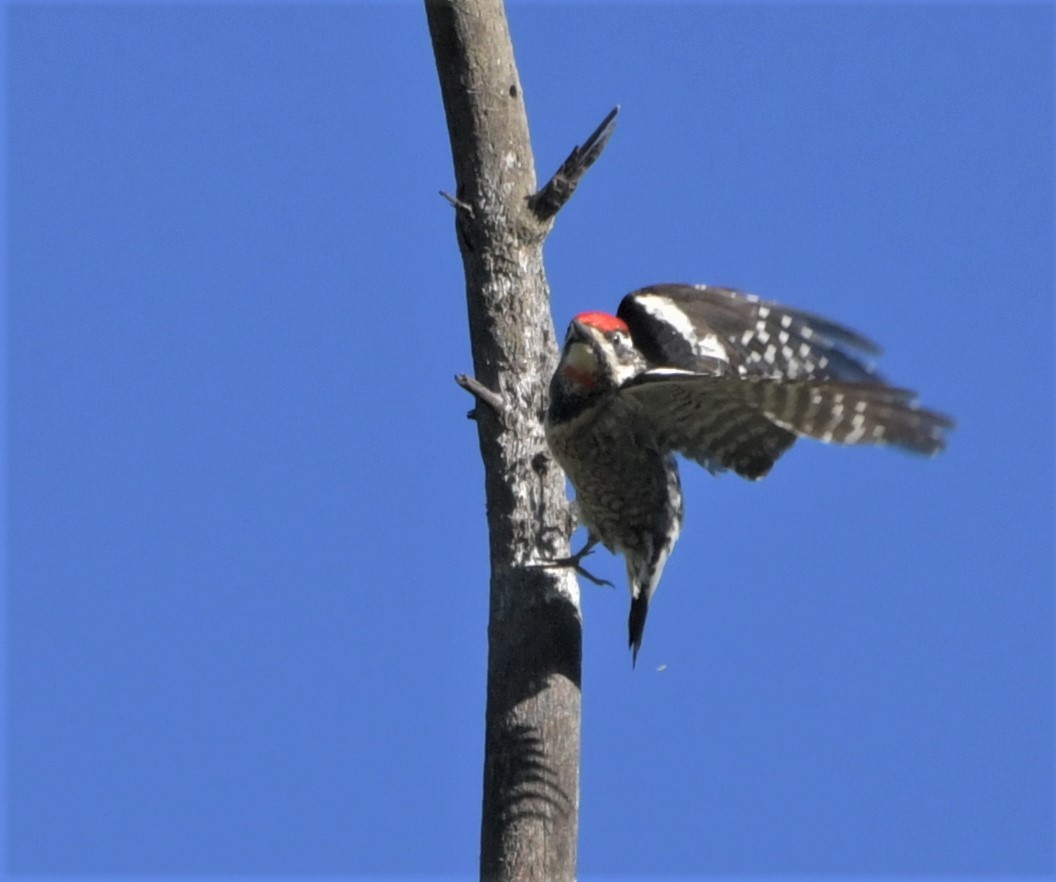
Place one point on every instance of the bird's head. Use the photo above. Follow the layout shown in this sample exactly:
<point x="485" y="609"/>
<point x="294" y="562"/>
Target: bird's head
<point x="598" y="354"/>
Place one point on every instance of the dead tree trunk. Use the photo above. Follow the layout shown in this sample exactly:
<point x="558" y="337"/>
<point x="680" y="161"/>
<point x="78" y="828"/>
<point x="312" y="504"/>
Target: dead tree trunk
<point x="531" y="761"/>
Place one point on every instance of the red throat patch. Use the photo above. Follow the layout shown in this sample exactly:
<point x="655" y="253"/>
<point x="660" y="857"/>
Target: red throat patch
<point x="603" y="322"/>
<point x="585" y="378"/>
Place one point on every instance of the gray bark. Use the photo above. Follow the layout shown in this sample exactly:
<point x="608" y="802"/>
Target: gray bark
<point x="531" y="764"/>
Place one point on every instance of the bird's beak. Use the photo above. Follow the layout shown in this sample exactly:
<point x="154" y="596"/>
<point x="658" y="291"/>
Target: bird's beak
<point x="577" y="331"/>
<point x="579" y="359"/>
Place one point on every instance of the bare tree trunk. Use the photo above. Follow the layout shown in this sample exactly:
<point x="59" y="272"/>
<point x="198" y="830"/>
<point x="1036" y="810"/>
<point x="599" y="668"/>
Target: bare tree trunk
<point x="531" y="762"/>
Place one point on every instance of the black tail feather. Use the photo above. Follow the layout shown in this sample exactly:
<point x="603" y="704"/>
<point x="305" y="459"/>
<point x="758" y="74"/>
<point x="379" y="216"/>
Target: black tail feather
<point x="636" y="625"/>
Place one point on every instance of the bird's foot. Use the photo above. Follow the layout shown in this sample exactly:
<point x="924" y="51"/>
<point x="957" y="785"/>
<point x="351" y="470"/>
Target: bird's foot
<point x="573" y="561"/>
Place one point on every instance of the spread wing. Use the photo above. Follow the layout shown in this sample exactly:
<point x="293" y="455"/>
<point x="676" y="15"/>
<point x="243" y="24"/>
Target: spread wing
<point x="725" y="421"/>
<point x="673" y="325"/>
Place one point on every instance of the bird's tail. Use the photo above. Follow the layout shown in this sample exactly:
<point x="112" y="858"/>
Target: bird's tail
<point x="636" y="624"/>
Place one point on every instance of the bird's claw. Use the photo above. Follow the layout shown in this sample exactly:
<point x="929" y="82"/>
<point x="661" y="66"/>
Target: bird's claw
<point x="573" y="562"/>
<point x="590" y="577"/>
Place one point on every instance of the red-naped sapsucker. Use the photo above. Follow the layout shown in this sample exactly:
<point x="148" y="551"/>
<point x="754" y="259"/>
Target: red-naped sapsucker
<point x="721" y="377"/>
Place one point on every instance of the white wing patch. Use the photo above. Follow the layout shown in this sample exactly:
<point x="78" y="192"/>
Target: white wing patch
<point x="662" y="309"/>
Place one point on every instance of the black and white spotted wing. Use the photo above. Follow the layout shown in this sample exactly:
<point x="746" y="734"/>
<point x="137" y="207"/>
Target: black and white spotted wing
<point x="675" y="325"/>
<point x="726" y="421"/>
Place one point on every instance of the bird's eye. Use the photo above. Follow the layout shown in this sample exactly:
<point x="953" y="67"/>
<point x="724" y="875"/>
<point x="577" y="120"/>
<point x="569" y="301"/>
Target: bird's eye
<point x="619" y="339"/>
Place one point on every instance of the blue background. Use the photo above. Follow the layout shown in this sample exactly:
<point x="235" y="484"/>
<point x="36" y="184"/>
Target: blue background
<point x="246" y="549"/>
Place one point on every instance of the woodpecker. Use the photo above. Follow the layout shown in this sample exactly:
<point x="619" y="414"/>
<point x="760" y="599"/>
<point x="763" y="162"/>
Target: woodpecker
<point x="721" y="377"/>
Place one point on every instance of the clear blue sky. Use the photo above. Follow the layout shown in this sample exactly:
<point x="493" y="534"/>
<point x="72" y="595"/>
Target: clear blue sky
<point x="246" y="574"/>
